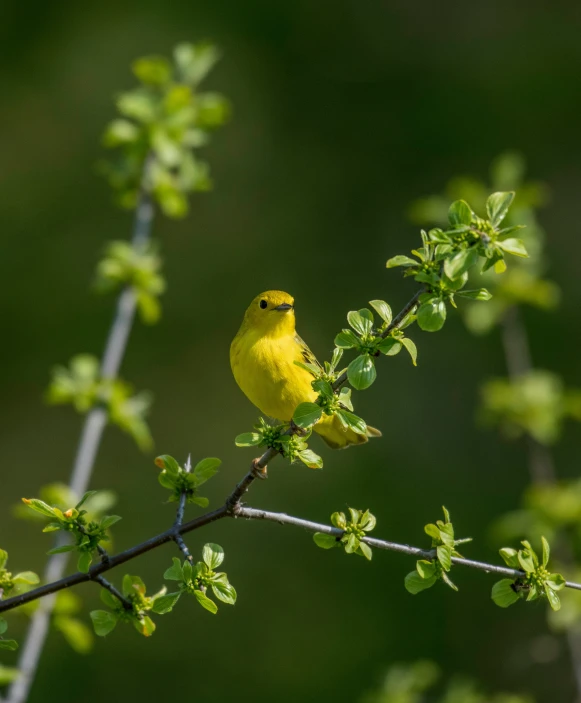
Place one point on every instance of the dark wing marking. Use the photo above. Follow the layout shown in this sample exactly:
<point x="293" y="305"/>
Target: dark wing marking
<point x="307" y="355"/>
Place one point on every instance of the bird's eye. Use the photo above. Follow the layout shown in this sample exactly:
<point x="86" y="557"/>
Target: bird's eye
<point x="263" y="304"/>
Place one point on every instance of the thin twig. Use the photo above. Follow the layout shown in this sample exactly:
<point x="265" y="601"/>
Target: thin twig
<point x="111" y="588"/>
<point x="180" y="517"/>
<point x="89" y="442"/>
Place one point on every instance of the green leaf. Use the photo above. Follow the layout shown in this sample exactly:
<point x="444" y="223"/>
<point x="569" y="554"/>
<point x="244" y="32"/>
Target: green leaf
<point x="477" y="294"/>
<point x="103" y="622"/>
<point x="109" y="521"/>
<point x="339" y="520"/>
<point x="444" y="557"/>
<point x="365" y="550"/>
<point x="40" y="507"/>
<point x="390" y="346"/>
<point x="248" y="439"/>
<point x="555" y="581"/>
<point x="360" y="323"/>
<point x="85" y="497"/>
<point x="194" y="61"/>
<point x="26" y="577"/>
<point x="460" y="263"/>
<point x="175" y="572"/>
<point x="165" y="604"/>
<point x="546" y="551"/>
<point x="460" y="213"/>
<point x="10" y="645"/>
<point x="448" y="581"/>
<point x="205" y="469"/>
<point x="84" y="562"/>
<point x="414" y="583"/>
<point x="307" y="414"/>
<point x="352" y="422"/>
<point x="63" y="549"/>
<point x="167" y="462"/>
<point x="206" y="602"/>
<point x="76" y="633"/>
<point x="497" y="206"/>
<point x="213" y="555"/>
<point x="310" y="459"/>
<point x="553" y="598"/>
<point x="432" y="531"/>
<point x="426" y="569"/>
<point x="109" y="599"/>
<point x="401" y="260"/>
<point x="199" y="500"/>
<point x="526" y="561"/>
<point x="412" y="349"/>
<point x="145" y="626"/>
<point x="503" y="593"/>
<point x="153" y="70"/>
<point x="361" y="372"/>
<point x="132" y="584"/>
<point x="355" y="515"/>
<point x="382" y="309"/>
<point x="368" y="521"/>
<point x="325" y="541"/>
<point x="510" y="557"/>
<point x="3" y="626"/>
<point x="352" y="544"/>
<point x="323" y="387"/>
<point x="432" y="315"/>
<point x="515" y="247"/>
<point x="345" y="398"/>
<point x="224" y="591"/>
<point x="346" y="340"/>
<point x="3" y="558"/>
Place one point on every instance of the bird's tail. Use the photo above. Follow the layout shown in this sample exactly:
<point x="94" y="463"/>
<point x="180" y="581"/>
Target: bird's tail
<point x="337" y="437"/>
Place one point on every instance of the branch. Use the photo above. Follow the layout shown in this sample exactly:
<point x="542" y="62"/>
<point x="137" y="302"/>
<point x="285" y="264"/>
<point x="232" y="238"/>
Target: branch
<point x="250" y="514"/>
<point x="86" y="453"/>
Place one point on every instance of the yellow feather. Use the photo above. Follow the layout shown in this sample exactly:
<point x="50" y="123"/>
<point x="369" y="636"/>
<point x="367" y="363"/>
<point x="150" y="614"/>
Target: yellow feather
<point x="262" y="357"/>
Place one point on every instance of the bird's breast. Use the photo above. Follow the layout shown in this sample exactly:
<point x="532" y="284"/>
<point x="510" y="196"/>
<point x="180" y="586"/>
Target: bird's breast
<point x="264" y="369"/>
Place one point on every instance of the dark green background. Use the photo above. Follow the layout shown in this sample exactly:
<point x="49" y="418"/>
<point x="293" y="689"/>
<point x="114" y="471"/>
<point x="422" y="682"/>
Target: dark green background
<point x="343" y="113"/>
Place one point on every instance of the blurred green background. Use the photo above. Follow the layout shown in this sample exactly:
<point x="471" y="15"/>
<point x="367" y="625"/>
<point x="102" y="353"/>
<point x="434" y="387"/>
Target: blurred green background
<point x="343" y="114"/>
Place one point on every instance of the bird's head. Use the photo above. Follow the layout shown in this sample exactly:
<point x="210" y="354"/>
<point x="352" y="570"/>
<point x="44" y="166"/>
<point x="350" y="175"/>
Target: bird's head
<point x="271" y="313"/>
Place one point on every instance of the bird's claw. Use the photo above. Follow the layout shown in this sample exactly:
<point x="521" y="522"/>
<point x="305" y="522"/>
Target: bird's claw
<point x="300" y="431"/>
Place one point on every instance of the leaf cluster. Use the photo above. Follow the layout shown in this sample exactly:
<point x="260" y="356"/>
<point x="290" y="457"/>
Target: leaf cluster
<point x="292" y="446"/>
<point x="162" y="123"/>
<point x="354" y="531"/>
<point x="538" y="581"/>
<point x="447" y="256"/>
<point x="181" y="482"/>
<point x="536" y="403"/>
<point x="523" y="284"/>
<point x="196" y="579"/>
<point x="88" y="535"/>
<point x="429" y="571"/>
<point x="82" y="386"/>
<point x="136" y="265"/>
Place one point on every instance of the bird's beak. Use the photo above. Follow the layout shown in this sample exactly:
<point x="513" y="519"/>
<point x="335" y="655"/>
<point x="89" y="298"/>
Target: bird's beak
<point x="283" y="307"/>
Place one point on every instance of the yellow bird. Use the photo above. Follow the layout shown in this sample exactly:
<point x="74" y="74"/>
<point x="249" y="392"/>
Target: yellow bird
<point x="262" y="357"/>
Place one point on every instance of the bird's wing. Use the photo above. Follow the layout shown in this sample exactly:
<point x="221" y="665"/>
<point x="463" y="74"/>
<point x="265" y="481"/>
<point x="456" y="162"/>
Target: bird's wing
<point x="306" y="355"/>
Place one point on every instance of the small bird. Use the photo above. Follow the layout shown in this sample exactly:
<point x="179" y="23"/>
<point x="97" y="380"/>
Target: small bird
<point x="262" y="358"/>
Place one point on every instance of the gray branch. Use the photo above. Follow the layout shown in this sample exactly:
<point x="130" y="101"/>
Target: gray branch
<point x="248" y="513"/>
<point x="88" y="446"/>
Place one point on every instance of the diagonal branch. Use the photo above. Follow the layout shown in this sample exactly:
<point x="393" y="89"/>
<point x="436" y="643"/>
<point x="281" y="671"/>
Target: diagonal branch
<point x="89" y="442"/>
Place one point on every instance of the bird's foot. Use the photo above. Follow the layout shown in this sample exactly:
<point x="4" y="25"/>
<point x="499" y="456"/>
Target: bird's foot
<point x="300" y="431"/>
<point x="257" y="470"/>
